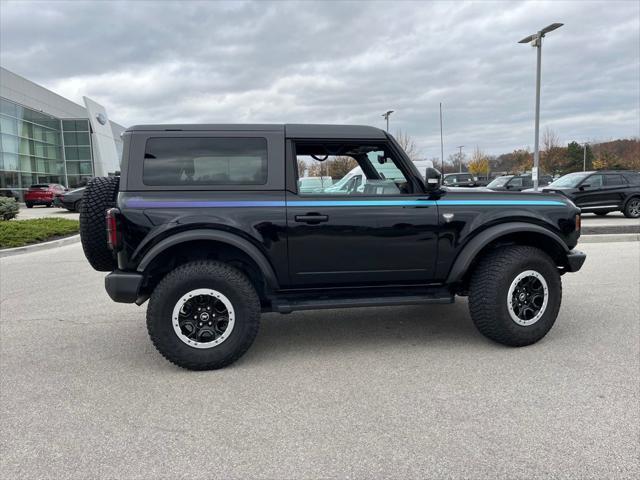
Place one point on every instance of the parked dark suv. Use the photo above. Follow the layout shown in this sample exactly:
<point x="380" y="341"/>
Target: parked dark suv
<point x="208" y="223"/>
<point x="458" y="180"/>
<point x="517" y="183"/>
<point x="601" y="192"/>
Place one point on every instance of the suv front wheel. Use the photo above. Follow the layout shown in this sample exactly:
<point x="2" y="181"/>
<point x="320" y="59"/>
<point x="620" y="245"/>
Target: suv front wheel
<point x="514" y="295"/>
<point x="203" y="315"/>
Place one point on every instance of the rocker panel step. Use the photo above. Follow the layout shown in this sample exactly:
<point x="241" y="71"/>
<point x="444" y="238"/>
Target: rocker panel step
<point x="288" y="305"/>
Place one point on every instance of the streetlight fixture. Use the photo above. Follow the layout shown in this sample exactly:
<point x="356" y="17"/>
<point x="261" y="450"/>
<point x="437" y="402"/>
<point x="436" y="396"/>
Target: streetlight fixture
<point x="386" y="117"/>
<point x="536" y="41"/>
<point x="460" y="156"/>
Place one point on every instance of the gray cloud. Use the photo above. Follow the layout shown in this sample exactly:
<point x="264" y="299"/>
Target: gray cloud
<point x="341" y="62"/>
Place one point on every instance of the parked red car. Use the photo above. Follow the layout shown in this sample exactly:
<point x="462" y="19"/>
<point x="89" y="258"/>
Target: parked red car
<point x="42" y="194"/>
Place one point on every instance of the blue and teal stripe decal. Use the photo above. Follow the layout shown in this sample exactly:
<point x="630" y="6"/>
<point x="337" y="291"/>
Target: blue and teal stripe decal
<point x="141" y="203"/>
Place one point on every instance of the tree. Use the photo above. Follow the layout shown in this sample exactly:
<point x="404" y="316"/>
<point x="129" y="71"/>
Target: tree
<point x="408" y="144"/>
<point x="302" y="167"/>
<point x="454" y="163"/>
<point x="575" y="157"/>
<point x="479" y="164"/>
<point x="338" y="167"/>
<point x="316" y="169"/>
<point x="553" y="156"/>
<point x="550" y="140"/>
<point x="522" y="161"/>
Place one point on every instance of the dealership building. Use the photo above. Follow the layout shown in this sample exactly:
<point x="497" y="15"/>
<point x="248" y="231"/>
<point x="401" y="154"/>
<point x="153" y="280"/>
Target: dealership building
<point x="49" y="139"/>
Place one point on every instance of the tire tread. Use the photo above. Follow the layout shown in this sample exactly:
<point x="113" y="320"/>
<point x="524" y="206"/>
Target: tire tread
<point x="100" y="195"/>
<point x="486" y="276"/>
<point x="182" y="274"/>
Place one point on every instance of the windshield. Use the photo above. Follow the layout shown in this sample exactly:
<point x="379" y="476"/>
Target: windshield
<point x="569" y="181"/>
<point x="499" y="181"/>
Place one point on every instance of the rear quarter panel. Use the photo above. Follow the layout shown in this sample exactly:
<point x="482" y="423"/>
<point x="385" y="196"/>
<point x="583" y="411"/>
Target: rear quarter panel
<point x="253" y="212"/>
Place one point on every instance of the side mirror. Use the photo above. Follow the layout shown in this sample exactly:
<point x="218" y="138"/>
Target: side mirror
<point x="584" y="185"/>
<point x="509" y="187"/>
<point x="432" y="179"/>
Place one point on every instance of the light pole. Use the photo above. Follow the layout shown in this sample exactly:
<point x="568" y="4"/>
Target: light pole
<point x="386" y="117"/>
<point x="441" y="143"/>
<point x="536" y="41"/>
<point x="460" y="156"/>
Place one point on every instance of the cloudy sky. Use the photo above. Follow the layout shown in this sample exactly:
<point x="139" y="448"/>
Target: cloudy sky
<point x="341" y="62"/>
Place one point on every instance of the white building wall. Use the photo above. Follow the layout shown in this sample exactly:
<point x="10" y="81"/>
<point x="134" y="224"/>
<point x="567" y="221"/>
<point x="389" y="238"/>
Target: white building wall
<point x="105" y="154"/>
<point x="25" y="92"/>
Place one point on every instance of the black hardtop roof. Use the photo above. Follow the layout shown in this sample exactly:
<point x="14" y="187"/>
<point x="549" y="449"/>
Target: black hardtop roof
<point x="291" y="130"/>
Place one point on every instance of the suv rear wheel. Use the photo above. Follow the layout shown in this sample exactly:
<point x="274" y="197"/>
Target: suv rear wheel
<point x="632" y="208"/>
<point x="203" y="315"/>
<point x="515" y="295"/>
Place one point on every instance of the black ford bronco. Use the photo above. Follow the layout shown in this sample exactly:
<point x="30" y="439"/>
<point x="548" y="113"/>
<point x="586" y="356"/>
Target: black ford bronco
<point x="208" y="222"/>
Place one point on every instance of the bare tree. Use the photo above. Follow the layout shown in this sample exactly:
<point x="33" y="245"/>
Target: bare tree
<point x="302" y="167"/>
<point x="316" y="169"/>
<point x="408" y="144"/>
<point x="339" y="166"/>
<point x="550" y="140"/>
<point x="553" y="155"/>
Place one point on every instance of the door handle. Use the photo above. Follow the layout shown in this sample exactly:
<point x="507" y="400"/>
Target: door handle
<point x="312" y="218"/>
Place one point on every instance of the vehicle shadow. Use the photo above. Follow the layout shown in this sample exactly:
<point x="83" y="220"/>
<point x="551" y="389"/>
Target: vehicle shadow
<point x="329" y="332"/>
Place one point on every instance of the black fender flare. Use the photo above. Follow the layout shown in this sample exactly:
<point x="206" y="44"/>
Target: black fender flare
<point x="219" y="236"/>
<point x="476" y="244"/>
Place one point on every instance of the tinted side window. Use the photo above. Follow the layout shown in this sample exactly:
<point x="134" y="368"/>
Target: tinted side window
<point x="593" y="181"/>
<point x="612" y="180"/>
<point x="516" y="182"/>
<point x="183" y="161"/>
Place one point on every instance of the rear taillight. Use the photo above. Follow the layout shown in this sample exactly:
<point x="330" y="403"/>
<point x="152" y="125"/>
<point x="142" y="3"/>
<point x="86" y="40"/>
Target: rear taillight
<point x="578" y="223"/>
<point x="113" y="235"/>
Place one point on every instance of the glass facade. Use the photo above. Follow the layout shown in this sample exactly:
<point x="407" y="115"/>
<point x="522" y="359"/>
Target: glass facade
<point x="76" y="138"/>
<point x="39" y="148"/>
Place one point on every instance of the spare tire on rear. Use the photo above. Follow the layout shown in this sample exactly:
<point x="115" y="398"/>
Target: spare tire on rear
<point x="100" y="195"/>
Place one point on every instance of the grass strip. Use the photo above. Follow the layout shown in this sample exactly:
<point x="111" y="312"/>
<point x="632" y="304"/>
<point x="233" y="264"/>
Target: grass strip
<point x="17" y="233"/>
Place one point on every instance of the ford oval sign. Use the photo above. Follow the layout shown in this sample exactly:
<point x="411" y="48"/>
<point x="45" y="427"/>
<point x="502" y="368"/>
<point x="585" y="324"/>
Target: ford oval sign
<point x="102" y="118"/>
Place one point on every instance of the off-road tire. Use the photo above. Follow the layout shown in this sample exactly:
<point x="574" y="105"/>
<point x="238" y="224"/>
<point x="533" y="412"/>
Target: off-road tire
<point x="489" y="287"/>
<point x="195" y="275"/>
<point x="100" y="195"/>
<point x="631" y="208"/>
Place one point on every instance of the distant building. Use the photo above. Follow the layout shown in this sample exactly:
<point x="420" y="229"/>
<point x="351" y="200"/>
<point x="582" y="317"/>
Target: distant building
<point x="49" y="139"/>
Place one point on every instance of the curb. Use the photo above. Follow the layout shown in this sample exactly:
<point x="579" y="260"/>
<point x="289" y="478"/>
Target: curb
<point x="9" y="252"/>
<point x="609" y="237"/>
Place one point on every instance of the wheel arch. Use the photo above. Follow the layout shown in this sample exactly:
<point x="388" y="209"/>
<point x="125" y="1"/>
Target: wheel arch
<point x="518" y="233"/>
<point x="213" y="244"/>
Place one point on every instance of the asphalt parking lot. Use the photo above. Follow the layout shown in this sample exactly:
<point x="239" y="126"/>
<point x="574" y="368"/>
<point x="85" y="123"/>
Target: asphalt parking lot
<point x="44" y="212"/>
<point x="402" y="392"/>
